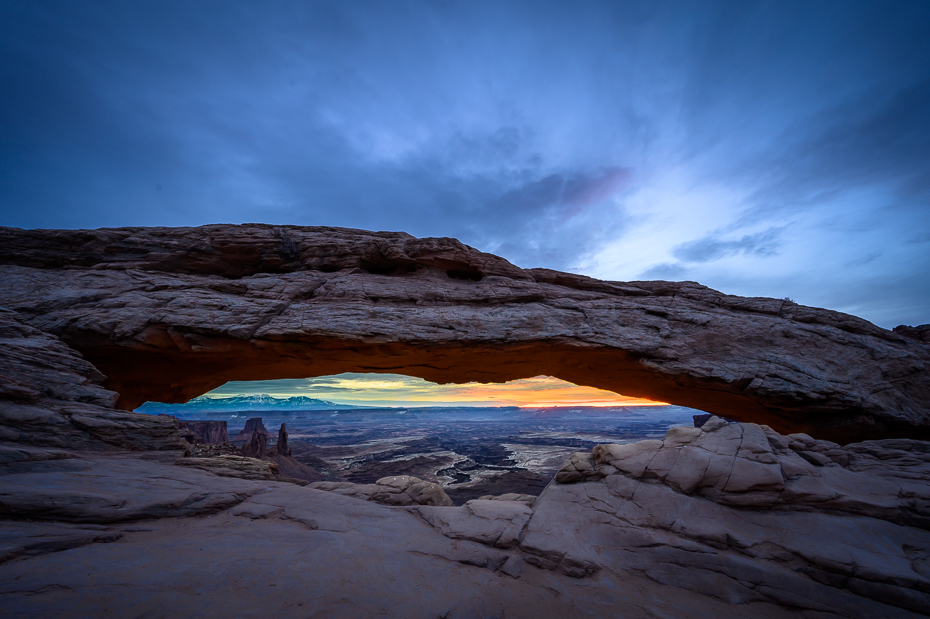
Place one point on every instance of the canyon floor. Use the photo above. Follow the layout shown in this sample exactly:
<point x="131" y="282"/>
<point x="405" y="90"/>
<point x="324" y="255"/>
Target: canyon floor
<point x="468" y="451"/>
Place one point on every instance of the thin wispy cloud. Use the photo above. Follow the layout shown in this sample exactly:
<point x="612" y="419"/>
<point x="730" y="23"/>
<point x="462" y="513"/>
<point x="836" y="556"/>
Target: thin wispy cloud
<point x="399" y="390"/>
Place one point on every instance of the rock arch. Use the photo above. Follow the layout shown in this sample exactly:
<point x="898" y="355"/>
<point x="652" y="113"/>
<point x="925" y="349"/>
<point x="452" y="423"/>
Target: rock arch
<point x="170" y="313"/>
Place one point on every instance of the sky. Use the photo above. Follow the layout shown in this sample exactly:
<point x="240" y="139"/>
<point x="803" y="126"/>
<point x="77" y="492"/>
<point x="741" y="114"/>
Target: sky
<point x="398" y="390"/>
<point x="776" y="149"/>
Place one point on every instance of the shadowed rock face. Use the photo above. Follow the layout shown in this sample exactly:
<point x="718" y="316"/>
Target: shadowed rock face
<point x="256" y="447"/>
<point x="204" y="432"/>
<point x="51" y="397"/>
<point x="251" y="426"/>
<point x="281" y="448"/>
<point x="170" y="313"/>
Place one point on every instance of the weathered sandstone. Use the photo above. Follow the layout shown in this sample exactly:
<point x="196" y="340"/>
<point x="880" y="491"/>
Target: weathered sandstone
<point x="398" y="490"/>
<point x="293" y="552"/>
<point x="629" y="539"/>
<point x="51" y="397"/>
<point x="241" y="467"/>
<point x="494" y="522"/>
<point x="257" y="446"/>
<point x="204" y="432"/>
<point x="251" y="426"/>
<point x="741" y="513"/>
<point x="170" y="313"/>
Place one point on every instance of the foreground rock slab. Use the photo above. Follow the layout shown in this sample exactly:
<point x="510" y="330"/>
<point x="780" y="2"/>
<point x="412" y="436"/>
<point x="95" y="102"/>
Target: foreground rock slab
<point x="764" y="525"/>
<point x="290" y="551"/>
<point x="118" y="489"/>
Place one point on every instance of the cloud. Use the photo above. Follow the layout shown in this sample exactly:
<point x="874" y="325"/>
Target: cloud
<point x="712" y="248"/>
<point x="658" y="139"/>
<point x="399" y="390"/>
<point x="666" y="271"/>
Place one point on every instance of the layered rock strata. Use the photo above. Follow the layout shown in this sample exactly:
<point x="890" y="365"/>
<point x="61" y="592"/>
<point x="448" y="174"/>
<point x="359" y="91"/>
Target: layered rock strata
<point x="170" y="313"/>
<point x="241" y="467"/>
<point x="51" y="397"/>
<point x="251" y="426"/>
<point x="741" y="513"/>
<point x="257" y="447"/>
<point x="397" y="490"/>
<point x="204" y="432"/>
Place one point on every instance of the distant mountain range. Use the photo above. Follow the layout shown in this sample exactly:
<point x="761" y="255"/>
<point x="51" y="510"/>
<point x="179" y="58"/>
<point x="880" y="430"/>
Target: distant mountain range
<point x="261" y="402"/>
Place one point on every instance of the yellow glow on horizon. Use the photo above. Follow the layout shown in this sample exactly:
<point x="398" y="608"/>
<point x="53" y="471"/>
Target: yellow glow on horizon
<point x="399" y="390"/>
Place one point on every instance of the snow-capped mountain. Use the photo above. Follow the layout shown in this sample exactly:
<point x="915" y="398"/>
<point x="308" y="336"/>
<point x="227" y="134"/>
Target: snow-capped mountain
<point x="260" y="402"/>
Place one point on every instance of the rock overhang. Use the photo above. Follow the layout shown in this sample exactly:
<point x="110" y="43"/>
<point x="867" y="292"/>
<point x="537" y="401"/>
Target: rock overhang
<point x="170" y="313"/>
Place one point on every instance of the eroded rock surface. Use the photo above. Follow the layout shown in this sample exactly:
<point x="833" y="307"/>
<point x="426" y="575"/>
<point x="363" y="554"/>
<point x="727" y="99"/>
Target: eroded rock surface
<point x="204" y="432"/>
<point x="290" y="551"/>
<point x="494" y="522"/>
<point x="242" y="467"/>
<point x="98" y="508"/>
<point x="626" y="535"/>
<point x="51" y="397"/>
<point x="742" y="513"/>
<point x="397" y="490"/>
<point x="170" y="313"/>
<point x="100" y="491"/>
<point x="252" y="426"/>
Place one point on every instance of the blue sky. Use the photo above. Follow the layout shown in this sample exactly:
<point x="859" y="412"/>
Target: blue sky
<point x="760" y="148"/>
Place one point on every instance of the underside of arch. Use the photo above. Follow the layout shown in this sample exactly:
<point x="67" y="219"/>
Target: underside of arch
<point x="170" y="313"/>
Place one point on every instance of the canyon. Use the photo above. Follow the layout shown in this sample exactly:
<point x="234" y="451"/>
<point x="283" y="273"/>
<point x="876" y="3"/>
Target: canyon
<point x="805" y="494"/>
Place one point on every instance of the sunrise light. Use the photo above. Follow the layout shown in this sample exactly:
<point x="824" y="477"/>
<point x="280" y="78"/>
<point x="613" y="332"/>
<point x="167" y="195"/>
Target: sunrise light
<point x="398" y="390"/>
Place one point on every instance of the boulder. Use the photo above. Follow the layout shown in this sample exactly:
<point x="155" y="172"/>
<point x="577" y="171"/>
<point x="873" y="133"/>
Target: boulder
<point x="241" y="467"/>
<point x="493" y="522"/>
<point x="399" y="490"/>
<point x="526" y="499"/>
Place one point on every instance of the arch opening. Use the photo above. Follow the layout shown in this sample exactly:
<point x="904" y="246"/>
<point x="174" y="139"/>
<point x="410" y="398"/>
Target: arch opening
<point x="473" y="440"/>
<point x="175" y="367"/>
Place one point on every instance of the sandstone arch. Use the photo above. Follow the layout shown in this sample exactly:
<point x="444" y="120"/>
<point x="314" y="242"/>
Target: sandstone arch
<point x="170" y="313"/>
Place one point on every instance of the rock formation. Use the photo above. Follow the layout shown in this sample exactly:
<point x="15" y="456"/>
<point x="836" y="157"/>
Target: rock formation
<point x="253" y="425"/>
<point x="768" y="526"/>
<point x="279" y="454"/>
<point x="241" y="467"/>
<point x="281" y="448"/>
<point x="398" y="490"/>
<point x="170" y="313"/>
<point x="921" y="333"/>
<point x="742" y="513"/>
<point x="204" y="432"/>
<point x="726" y="520"/>
<point x="257" y="447"/>
<point x="51" y="397"/>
